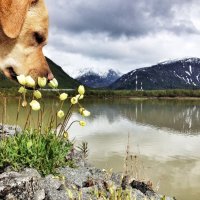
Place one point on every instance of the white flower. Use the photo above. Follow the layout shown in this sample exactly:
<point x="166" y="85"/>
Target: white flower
<point x="63" y="96"/>
<point x="74" y="100"/>
<point x="82" y="123"/>
<point x="79" y="97"/>
<point x="42" y="81"/>
<point x="35" y="105"/>
<point x="53" y="83"/>
<point x="86" y="113"/>
<point x="21" y="79"/>
<point x="37" y="94"/>
<point x="22" y="90"/>
<point x="30" y="82"/>
<point x="81" y="90"/>
<point x="60" y="114"/>
<point x="81" y="110"/>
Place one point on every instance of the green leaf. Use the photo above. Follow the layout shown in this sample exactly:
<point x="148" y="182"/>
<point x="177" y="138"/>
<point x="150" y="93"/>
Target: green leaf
<point x="29" y="144"/>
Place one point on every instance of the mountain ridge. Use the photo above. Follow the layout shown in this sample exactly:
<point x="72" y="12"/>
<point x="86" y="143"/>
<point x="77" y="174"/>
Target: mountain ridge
<point x="98" y="80"/>
<point x="175" y="74"/>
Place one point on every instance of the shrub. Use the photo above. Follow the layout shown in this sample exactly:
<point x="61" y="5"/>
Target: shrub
<point x="43" y="148"/>
<point x="44" y="152"/>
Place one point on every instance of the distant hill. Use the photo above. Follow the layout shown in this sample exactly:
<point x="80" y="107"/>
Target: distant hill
<point x="6" y="83"/>
<point x="64" y="80"/>
<point x="96" y="80"/>
<point x="177" y="74"/>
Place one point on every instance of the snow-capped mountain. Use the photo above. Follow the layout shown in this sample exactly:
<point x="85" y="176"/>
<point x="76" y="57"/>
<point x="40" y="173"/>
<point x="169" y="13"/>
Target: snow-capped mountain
<point x="182" y="74"/>
<point x="97" y="80"/>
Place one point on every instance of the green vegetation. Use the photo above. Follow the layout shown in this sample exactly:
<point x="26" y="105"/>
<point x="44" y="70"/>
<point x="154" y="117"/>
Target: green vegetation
<point x="43" y="148"/>
<point x="6" y="83"/>
<point x="116" y="93"/>
<point x="143" y="94"/>
<point x="42" y="151"/>
<point x="65" y="81"/>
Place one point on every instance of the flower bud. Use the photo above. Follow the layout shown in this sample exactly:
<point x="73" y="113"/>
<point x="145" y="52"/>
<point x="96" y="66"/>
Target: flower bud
<point x="37" y="94"/>
<point x="53" y="83"/>
<point x="42" y="81"/>
<point x="81" y="110"/>
<point x="66" y="135"/>
<point x="81" y="90"/>
<point x="82" y="123"/>
<point x="35" y="105"/>
<point x="63" y="96"/>
<point x="60" y="114"/>
<point x="86" y="113"/>
<point x="24" y="103"/>
<point x="74" y="100"/>
<point x="21" y="79"/>
<point x="22" y="90"/>
<point x="30" y="82"/>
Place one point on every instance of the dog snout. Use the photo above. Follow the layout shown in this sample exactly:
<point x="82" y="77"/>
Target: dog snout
<point x="50" y="76"/>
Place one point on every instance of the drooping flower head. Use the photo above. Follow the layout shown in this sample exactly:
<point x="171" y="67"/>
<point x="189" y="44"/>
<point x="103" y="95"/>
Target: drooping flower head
<point x="42" y="81"/>
<point x="60" y="114"/>
<point x="37" y="94"/>
<point x="21" y="79"/>
<point x="81" y="90"/>
<point x="82" y="123"/>
<point x="74" y="100"/>
<point x="35" y="105"/>
<point x="63" y="96"/>
<point x="30" y="82"/>
<point x="53" y="83"/>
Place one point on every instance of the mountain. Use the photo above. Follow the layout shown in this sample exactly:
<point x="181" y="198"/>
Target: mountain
<point x="176" y="74"/>
<point x="98" y="80"/>
<point x="64" y="80"/>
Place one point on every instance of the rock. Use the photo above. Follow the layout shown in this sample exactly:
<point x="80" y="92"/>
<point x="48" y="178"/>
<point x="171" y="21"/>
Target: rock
<point x="18" y="186"/>
<point x="31" y="172"/>
<point x="53" y="194"/>
<point x="82" y="181"/>
<point x="39" y="195"/>
<point x="9" y="130"/>
<point x="138" y="195"/>
<point x="75" y="176"/>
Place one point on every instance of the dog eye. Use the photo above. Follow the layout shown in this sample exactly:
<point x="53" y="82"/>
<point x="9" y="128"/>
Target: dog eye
<point x="38" y="37"/>
<point x="34" y="2"/>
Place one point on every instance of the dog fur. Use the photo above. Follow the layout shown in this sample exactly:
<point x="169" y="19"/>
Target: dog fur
<point x="23" y="34"/>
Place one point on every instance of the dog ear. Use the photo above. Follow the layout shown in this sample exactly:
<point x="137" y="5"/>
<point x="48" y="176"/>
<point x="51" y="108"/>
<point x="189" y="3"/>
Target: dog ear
<point x="12" y="16"/>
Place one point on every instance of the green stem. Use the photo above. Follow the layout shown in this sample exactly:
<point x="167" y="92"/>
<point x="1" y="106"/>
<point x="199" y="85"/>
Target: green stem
<point x="66" y="119"/>
<point x="72" y="124"/>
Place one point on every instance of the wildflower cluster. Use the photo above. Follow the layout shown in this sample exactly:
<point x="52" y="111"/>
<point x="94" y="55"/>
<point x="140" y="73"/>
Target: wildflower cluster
<point x="29" y="82"/>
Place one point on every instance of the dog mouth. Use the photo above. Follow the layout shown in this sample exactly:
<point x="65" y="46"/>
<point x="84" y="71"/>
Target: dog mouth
<point x="10" y="72"/>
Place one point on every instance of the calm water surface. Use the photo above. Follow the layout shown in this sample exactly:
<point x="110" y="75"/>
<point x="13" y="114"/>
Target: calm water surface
<point x="164" y="137"/>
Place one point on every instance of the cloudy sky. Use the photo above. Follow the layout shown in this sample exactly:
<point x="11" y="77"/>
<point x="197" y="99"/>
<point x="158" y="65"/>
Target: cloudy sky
<point x="121" y="34"/>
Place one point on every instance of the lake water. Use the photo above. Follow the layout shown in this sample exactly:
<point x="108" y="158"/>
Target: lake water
<point x="164" y="140"/>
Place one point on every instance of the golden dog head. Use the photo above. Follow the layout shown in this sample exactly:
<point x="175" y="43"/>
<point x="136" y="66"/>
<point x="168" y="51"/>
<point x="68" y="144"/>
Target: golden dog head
<point x="24" y="32"/>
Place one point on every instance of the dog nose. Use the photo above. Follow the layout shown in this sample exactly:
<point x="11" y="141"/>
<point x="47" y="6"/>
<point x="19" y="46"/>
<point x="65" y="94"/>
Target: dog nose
<point x="50" y="76"/>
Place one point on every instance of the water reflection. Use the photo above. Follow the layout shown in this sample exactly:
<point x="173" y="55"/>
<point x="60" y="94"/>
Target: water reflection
<point x="168" y="148"/>
<point x="163" y="134"/>
<point x="176" y="115"/>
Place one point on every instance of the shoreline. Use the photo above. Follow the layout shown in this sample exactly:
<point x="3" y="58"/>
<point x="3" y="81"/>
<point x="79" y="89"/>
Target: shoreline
<point x="83" y="179"/>
<point x="120" y="94"/>
<point x="84" y="182"/>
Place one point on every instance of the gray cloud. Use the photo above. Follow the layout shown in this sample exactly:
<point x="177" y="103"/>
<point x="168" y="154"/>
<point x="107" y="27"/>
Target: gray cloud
<point x="121" y="34"/>
<point x="116" y="18"/>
